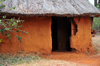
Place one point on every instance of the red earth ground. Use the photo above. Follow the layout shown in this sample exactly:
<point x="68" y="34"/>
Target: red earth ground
<point x="70" y="58"/>
<point x="83" y="58"/>
<point x="66" y="59"/>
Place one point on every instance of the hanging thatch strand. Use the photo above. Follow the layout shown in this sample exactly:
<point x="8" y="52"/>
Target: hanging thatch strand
<point x="50" y="7"/>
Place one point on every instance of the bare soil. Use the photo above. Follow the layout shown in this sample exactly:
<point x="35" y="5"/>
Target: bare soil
<point x="70" y="58"/>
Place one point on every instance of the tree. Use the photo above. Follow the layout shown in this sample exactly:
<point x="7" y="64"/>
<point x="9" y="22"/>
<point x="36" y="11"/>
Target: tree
<point x="8" y="26"/>
<point x="96" y="20"/>
<point x="95" y="2"/>
<point x="99" y="2"/>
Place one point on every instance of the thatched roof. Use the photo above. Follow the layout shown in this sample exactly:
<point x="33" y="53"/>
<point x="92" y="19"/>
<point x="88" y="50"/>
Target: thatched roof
<point x="50" y="7"/>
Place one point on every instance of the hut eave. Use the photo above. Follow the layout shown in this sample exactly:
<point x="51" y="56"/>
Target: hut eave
<point x="50" y="7"/>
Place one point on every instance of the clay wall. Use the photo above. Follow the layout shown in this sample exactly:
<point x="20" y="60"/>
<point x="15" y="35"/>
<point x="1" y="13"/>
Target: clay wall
<point x="38" y="38"/>
<point x="82" y="41"/>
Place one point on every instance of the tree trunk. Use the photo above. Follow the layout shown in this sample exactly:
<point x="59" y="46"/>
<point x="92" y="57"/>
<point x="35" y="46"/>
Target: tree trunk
<point x="95" y="2"/>
<point x="99" y="2"/>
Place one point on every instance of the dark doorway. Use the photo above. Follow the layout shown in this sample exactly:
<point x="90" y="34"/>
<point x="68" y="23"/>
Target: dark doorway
<point x="54" y="34"/>
<point x="61" y="32"/>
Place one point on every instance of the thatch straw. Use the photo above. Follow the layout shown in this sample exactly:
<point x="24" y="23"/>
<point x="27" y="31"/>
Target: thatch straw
<point x="50" y="7"/>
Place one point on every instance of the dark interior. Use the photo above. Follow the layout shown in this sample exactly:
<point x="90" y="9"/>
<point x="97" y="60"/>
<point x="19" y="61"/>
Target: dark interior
<point x="61" y="32"/>
<point x="54" y="34"/>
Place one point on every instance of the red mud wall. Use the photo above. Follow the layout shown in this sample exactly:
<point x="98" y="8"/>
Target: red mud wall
<point x="38" y="38"/>
<point x="82" y="41"/>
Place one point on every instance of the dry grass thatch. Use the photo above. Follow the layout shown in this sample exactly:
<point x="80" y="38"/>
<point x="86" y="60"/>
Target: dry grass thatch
<point x="50" y="7"/>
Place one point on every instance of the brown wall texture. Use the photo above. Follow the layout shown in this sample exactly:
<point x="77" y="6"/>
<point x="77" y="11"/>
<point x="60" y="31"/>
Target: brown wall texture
<point x="38" y="38"/>
<point x="82" y="41"/>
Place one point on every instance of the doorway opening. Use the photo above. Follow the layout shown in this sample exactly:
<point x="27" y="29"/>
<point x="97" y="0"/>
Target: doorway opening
<point x="61" y="32"/>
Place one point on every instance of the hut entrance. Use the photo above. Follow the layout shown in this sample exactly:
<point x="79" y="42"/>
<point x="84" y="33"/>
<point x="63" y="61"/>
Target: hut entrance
<point x="61" y="32"/>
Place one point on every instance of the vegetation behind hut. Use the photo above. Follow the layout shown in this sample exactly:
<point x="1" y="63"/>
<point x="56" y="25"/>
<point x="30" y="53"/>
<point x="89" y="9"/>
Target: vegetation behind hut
<point x="96" y="20"/>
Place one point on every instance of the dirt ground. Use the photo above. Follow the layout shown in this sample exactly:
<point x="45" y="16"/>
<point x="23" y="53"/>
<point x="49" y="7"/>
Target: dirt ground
<point x="70" y="58"/>
<point x="76" y="58"/>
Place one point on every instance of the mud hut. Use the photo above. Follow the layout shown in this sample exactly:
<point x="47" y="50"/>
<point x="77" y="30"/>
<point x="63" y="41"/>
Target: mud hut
<point x="51" y="25"/>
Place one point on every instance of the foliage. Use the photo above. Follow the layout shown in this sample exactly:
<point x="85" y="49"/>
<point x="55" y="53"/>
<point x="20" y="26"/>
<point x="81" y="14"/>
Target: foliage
<point x="98" y="6"/>
<point x="9" y="26"/>
<point x="8" y="60"/>
<point x="1" y="5"/>
<point x="96" y="21"/>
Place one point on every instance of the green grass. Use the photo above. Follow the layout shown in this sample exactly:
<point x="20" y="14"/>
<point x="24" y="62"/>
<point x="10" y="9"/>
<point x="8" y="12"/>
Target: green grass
<point x="7" y="59"/>
<point x="97" y="50"/>
<point x="87" y="53"/>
